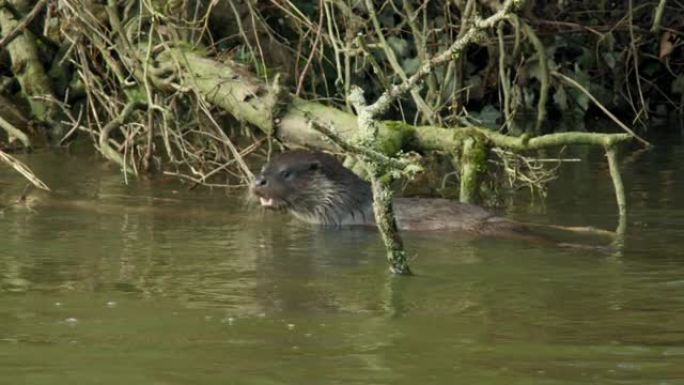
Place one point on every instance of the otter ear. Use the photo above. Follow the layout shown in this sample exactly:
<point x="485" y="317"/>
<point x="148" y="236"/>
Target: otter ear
<point x="315" y="165"/>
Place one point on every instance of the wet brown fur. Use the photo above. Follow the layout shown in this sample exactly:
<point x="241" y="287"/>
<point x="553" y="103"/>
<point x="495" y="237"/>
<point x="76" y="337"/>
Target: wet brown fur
<point x="317" y="188"/>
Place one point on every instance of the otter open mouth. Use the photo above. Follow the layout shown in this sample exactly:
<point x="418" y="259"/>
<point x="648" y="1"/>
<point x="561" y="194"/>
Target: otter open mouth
<point x="271" y="203"/>
<point x="266" y="202"/>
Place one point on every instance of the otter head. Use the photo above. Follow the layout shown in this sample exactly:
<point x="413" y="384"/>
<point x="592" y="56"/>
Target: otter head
<point x="313" y="186"/>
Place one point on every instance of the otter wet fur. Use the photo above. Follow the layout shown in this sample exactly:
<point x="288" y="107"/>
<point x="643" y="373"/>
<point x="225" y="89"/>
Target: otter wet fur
<point x="316" y="188"/>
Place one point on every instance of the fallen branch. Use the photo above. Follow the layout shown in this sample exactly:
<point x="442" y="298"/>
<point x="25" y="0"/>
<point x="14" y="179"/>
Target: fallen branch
<point x="23" y="170"/>
<point x="344" y="144"/>
<point x="15" y="132"/>
<point x="526" y="143"/>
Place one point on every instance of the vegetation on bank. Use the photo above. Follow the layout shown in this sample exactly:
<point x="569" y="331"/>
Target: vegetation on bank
<point x="190" y="88"/>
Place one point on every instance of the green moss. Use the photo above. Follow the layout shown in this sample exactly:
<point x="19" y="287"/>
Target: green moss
<point x="478" y="155"/>
<point x="473" y="164"/>
<point x="136" y="94"/>
<point x="395" y="134"/>
<point x="462" y="133"/>
<point x="190" y="48"/>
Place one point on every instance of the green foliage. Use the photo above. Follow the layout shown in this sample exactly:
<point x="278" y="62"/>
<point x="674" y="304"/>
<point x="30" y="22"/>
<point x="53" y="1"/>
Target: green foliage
<point x="488" y="116"/>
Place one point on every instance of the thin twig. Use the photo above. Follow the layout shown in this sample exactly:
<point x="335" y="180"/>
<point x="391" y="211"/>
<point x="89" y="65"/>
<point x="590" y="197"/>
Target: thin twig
<point x="23" y="170"/>
<point x="614" y="118"/>
<point x="454" y="50"/>
<point x="635" y="60"/>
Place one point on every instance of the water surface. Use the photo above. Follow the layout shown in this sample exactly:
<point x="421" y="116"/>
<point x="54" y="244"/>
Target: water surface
<point x="148" y="283"/>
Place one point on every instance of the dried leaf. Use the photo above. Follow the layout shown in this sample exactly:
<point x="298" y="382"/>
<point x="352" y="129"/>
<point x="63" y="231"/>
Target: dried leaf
<point x="560" y="97"/>
<point x="488" y="116"/>
<point x="666" y="44"/>
<point x="610" y="58"/>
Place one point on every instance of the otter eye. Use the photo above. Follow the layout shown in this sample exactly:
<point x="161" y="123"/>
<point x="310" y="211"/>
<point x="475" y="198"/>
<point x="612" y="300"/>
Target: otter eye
<point x="314" y="166"/>
<point x="286" y="174"/>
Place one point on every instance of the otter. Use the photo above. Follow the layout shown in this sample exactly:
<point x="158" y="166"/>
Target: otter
<point x="316" y="188"/>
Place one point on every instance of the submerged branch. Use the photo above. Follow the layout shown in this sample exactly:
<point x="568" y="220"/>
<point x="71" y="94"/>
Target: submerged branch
<point x="611" y="154"/>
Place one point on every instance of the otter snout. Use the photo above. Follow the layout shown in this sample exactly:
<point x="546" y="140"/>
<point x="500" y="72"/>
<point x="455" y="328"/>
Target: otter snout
<point x="260" y="181"/>
<point x="259" y="188"/>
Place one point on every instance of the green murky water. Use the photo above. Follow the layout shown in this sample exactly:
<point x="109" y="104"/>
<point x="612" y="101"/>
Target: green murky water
<point x="103" y="283"/>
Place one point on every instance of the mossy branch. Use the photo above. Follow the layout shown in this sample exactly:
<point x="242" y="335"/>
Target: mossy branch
<point x="247" y="98"/>
<point x="252" y="101"/>
<point x="611" y="154"/>
<point x="381" y="179"/>
<point x="526" y="142"/>
<point x="347" y="146"/>
<point x="472" y="157"/>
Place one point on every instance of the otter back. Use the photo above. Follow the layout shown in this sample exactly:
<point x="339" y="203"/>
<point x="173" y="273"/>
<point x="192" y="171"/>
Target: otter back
<point x="443" y="214"/>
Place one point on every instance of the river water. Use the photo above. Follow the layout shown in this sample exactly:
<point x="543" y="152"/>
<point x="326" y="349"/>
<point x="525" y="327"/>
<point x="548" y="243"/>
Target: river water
<point x="149" y="283"/>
